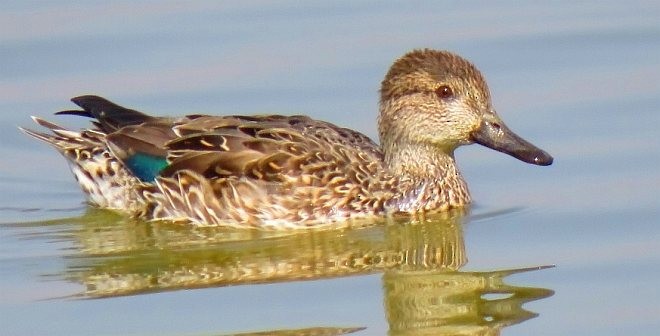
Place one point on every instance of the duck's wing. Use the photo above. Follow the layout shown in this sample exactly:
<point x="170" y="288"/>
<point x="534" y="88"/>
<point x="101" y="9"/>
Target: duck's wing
<point x="268" y="148"/>
<point x="260" y="147"/>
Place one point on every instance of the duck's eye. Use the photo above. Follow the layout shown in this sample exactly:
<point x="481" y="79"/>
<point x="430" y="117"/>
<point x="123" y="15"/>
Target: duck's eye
<point x="444" y="92"/>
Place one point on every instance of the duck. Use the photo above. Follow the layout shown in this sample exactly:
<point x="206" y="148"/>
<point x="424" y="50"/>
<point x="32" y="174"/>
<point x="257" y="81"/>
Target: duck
<point x="277" y="172"/>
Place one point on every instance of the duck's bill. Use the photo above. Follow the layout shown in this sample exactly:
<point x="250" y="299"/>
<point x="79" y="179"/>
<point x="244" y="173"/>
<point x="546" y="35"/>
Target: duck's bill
<point x="494" y="134"/>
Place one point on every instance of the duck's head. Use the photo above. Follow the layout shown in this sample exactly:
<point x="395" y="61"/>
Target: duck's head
<point x="438" y="99"/>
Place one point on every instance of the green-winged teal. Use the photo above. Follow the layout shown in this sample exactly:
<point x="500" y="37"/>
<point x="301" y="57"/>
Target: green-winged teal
<point x="281" y="172"/>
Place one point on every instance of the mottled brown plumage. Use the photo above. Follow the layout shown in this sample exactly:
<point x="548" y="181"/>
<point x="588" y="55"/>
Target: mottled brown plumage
<point x="277" y="172"/>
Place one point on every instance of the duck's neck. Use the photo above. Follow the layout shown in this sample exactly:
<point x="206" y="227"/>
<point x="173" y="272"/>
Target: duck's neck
<point x="428" y="179"/>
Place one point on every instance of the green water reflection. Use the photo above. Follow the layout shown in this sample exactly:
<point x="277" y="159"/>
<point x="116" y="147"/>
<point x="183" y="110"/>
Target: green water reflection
<point x="424" y="291"/>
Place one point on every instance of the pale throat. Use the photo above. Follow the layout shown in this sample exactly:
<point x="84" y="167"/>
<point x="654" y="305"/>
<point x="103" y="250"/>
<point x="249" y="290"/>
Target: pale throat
<point x="428" y="176"/>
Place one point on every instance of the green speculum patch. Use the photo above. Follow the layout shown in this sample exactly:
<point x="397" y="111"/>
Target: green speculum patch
<point x="145" y="166"/>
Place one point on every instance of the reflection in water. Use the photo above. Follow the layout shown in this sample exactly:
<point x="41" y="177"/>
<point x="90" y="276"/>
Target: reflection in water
<point x="455" y="303"/>
<point x="304" y="332"/>
<point x="424" y="292"/>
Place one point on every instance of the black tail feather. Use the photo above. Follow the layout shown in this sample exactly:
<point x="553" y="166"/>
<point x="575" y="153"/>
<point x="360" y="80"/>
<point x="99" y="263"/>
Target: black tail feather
<point x="110" y="116"/>
<point x="75" y="112"/>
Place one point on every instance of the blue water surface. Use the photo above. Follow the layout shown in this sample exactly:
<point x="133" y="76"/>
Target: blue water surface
<point x="579" y="79"/>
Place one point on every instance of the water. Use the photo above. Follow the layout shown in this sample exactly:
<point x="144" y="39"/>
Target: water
<point x="581" y="80"/>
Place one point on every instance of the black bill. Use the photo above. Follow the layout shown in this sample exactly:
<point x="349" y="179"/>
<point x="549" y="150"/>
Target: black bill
<point x="492" y="133"/>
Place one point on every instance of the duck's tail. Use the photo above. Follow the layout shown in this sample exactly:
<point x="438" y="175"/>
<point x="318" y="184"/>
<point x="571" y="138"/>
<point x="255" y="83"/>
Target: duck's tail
<point x="65" y="140"/>
<point x="101" y="176"/>
<point x="109" y="116"/>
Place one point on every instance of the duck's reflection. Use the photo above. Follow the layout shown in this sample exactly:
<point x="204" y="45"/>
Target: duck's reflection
<point x="455" y="303"/>
<point x="424" y="292"/>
